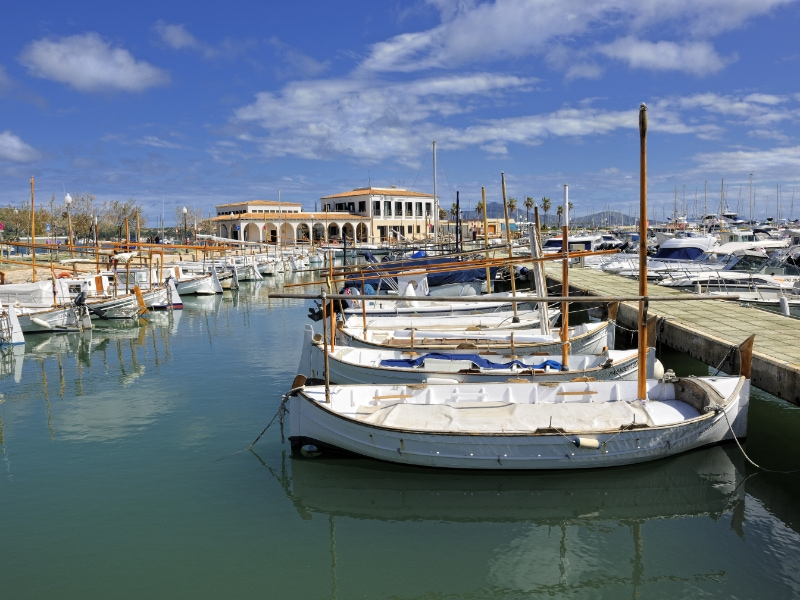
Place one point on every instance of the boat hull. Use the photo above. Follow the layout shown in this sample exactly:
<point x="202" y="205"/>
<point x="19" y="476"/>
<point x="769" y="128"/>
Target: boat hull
<point x="326" y="425"/>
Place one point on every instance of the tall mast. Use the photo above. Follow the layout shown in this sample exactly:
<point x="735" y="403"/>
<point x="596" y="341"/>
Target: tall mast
<point x="435" y="199"/>
<point x="33" y="234"/>
<point x="642" y="376"/>
<point x="751" y="199"/>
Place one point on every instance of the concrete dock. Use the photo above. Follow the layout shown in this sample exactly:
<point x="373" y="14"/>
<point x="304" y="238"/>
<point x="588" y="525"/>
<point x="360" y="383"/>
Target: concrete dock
<point x="705" y="329"/>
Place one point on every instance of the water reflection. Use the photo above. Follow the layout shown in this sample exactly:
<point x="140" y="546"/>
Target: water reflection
<point x="559" y="533"/>
<point x="94" y="373"/>
<point x="706" y="483"/>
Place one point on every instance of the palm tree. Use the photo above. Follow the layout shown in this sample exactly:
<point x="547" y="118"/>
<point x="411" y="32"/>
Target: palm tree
<point x="528" y="206"/>
<point x="454" y="211"/>
<point x="559" y="212"/>
<point x="512" y="206"/>
<point x="479" y="208"/>
<point x="545" y="208"/>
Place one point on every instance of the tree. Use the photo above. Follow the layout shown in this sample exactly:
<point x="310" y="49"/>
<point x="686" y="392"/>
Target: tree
<point x="15" y="220"/>
<point x="479" y="208"/>
<point x="559" y="212"/>
<point x="115" y="212"/>
<point x="528" y="206"/>
<point x="545" y="208"/>
<point x="442" y="213"/>
<point x="454" y="211"/>
<point x="512" y="207"/>
<point x="194" y="220"/>
<point x="82" y="212"/>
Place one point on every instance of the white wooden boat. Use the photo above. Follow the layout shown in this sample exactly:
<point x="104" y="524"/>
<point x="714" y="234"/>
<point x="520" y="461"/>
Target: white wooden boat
<point x="410" y="305"/>
<point x="54" y="320"/>
<point x="501" y="319"/>
<point x="10" y="329"/>
<point x="194" y="281"/>
<point x="558" y="425"/>
<point x="348" y="365"/>
<point x="587" y="338"/>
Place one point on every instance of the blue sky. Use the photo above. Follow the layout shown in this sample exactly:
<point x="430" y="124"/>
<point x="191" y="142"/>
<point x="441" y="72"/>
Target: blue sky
<point x="186" y="103"/>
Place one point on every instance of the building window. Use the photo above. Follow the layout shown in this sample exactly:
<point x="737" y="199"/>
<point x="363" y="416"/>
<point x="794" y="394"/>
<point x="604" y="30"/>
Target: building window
<point x="418" y="207"/>
<point x="409" y="209"/>
<point x="387" y="208"/>
<point x="362" y="206"/>
<point x="376" y="208"/>
<point x="427" y="209"/>
<point x="410" y="229"/>
<point x="398" y="209"/>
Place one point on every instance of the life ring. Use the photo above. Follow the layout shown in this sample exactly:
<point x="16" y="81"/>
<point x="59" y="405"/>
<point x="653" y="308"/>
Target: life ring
<point x="63" y="275"/>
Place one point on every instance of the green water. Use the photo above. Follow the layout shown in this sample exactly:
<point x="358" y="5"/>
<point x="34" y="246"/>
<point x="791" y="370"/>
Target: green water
<point x="122" y="475"/>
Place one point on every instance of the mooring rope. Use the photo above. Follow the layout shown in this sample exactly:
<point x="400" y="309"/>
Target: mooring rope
<point x="750" y="460"/>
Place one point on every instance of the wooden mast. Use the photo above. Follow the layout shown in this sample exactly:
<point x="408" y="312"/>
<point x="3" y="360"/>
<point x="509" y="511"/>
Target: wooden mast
<point x="510" y="254"/>
<point x="33" y="234"/>
<point x="486" y="243"/>
<point x="642" y="379"/>
<point x="565" y="283"/>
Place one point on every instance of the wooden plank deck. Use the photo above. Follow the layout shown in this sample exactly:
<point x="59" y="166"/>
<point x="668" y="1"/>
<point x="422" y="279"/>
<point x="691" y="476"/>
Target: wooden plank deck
<point x="706" y="329"/>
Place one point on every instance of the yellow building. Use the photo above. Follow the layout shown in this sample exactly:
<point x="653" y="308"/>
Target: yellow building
<point x="392" y="213"/>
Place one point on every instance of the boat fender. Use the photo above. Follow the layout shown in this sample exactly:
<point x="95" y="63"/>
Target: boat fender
<point x="309" y="451"/>
<point x="658" y="369"/>
<point x="586" y="443"/>
<point x="785" y="311"/>
<point x="41" y="323"/>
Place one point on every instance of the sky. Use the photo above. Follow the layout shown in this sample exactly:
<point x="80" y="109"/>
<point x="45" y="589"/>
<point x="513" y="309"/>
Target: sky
<point x="196" y="104"/>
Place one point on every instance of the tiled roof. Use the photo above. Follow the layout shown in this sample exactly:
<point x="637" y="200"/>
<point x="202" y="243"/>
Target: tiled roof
<point x="381" y="191"/>
<point x="260" y="203"/>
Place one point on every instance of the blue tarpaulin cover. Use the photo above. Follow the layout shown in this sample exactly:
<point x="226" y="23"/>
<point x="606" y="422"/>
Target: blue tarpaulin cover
<point x="420" y="260"/>
<point x="476" y="359"/>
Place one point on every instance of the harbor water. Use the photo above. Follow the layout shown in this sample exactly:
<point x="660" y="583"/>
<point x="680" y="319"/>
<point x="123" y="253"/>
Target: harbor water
<point x="125" y="472"/>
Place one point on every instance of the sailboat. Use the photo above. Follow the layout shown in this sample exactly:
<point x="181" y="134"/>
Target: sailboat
<point x="577" y="424"/>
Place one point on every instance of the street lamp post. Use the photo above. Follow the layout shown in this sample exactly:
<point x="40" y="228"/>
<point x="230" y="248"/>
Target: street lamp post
<point x="68" y="201"/>
<point x="184" y="224"/>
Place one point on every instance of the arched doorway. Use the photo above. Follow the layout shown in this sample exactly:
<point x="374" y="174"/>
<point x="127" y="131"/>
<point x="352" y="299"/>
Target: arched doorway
<point x="287" y="234"/>
<point x="348" y="231"/>
<point x="319" y="233"/>
<point x="270" y="232"/>
<point x="252" y="233"/>
<point x="303" y="233"/>
<point x="333" y="231"/>
<point x="363" y="232"/>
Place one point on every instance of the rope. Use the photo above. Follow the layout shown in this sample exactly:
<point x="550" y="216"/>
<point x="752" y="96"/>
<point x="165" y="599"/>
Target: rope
<point x="282" y="410"/>
<point x="729" y="354"/>
<point x="748" y="458"/>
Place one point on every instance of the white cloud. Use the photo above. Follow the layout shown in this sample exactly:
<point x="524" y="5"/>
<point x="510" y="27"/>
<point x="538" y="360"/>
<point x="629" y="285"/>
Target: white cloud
<point x="14" y="149"/>
<point x="152" y="140"/>
<point x="765" y="162"/>
<point x="89" y="64"/>
<point x="5" y="80"/>
<point x="490" y="31"/>
<point x="297" y="63"/>
<point x="698" y="58"/>
<point x="177" y="36"/>
<point x="368" y="119"/>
